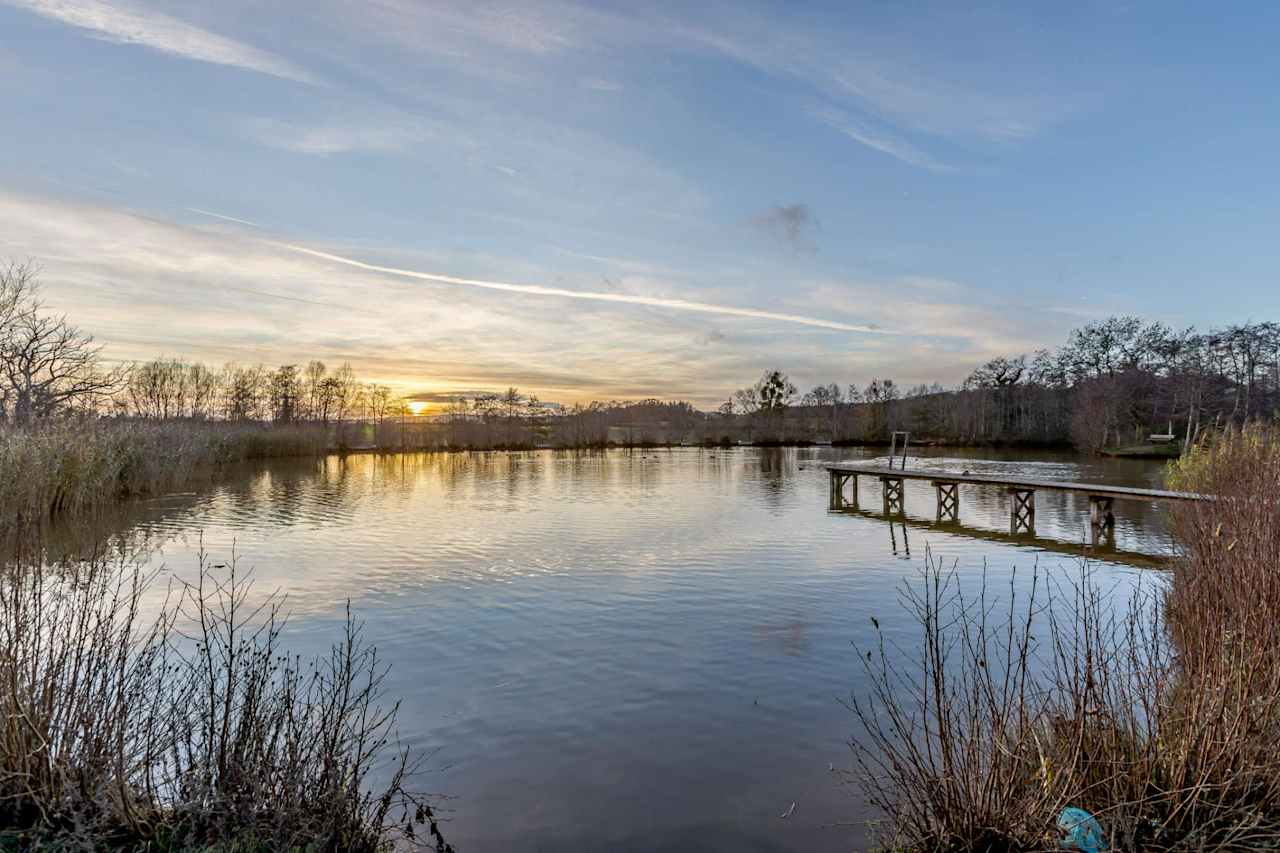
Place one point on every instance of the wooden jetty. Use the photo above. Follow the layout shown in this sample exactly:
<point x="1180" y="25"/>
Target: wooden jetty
<point x="1021" y="490"/>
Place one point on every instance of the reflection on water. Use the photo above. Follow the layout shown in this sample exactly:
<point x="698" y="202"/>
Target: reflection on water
<point x="627" y="650"/>
<point x="899" y="534"/>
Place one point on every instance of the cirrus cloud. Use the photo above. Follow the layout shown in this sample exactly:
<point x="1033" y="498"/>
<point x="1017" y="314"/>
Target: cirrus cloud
<point x="123" y="24"/>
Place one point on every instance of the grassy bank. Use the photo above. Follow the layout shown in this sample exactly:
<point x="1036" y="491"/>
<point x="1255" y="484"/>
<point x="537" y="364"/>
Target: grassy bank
<point x="190" y="730"/>
<point x="1161" y="719"/>
<point x="75" y="465"/>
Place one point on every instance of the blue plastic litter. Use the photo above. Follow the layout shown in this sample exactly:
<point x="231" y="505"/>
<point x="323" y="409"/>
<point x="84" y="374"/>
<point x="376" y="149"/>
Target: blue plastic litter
<point x="1081" y="831"/>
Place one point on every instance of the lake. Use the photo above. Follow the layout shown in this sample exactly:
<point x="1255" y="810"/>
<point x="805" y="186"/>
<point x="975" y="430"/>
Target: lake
<point x="625" y="650"/>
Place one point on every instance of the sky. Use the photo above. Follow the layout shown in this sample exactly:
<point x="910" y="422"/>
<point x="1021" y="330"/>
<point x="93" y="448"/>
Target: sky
<point x="623" y="200"/>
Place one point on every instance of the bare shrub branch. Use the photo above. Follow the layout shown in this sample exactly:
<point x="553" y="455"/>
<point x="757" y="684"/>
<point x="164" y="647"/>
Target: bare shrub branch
<point x="192" y="729"/>
<point x="1159" y="714"/>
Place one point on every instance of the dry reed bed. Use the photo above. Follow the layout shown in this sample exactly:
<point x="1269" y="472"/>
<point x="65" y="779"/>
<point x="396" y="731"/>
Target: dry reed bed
<point x="192" y="729"/>
<point x="76" y="465"/>
<point x="1160" y="714"/>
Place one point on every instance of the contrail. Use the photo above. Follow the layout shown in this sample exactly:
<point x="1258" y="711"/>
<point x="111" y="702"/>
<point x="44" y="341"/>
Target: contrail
<point x="223" y="216"/>
<point x="539" y="290"/>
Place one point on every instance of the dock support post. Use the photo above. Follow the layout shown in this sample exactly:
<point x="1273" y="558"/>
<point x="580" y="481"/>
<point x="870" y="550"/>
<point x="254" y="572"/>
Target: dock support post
<point x="948" y="500"/>
<point x="1102" y="524"/>
<point x="893" y="501"/>
<point x="838" y="481"/>
<point x="1022" y="510"/>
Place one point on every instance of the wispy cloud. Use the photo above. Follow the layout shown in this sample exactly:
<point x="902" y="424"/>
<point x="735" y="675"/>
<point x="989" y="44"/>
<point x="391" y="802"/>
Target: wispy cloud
<point x="123" y="24"/>
<point x="622" y="298"/>
<point x="145" y="286"/>
<point x="880" y="141"/>
<point x="461" y="30"/>
<point x="945" y="316"/>
<point x="867" y="73"/>
<point x="861" y="69"/>
<point x="938" y="106"/>
<point x="377" y="133"/>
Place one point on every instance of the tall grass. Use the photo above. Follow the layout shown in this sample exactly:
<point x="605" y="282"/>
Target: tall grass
<point x="79" y="464"/>
<point x="1160" y="714"/>
<point x="192" y="729"/>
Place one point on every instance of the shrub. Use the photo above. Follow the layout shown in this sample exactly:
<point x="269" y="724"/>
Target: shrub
<point x="1160" y="716"/>
<point x="80" y="464"/>
<point x="190" y="730"/>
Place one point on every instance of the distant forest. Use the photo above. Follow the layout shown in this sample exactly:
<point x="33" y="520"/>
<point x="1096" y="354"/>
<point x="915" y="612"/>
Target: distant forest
<point x="1112" y="383"/>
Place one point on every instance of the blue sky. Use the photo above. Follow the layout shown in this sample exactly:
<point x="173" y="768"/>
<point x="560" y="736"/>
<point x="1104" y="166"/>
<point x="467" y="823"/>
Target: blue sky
<point x="669" y="198"/>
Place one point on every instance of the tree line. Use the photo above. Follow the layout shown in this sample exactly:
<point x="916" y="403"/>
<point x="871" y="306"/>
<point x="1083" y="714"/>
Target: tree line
<point x="1112" y="382"/>
<point x="172" y="388"/>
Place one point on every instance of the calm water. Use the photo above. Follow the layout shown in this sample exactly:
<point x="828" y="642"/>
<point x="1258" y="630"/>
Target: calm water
<point x="622" y="650"/>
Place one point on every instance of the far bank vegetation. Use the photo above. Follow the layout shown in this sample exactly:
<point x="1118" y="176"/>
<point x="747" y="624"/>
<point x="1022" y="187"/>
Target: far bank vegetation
<point x="75" y="428"/>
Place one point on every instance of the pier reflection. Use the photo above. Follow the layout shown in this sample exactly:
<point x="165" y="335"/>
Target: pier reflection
<point x="900" y="543"/>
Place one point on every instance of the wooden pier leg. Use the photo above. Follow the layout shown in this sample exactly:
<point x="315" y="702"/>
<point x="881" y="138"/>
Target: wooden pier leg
<point x="948" y="500"/>
<point x="1022" y="510"/>
<point x="893" y="496"/>
<point x="1102" y="524"/>
<point x="839" y="480"/>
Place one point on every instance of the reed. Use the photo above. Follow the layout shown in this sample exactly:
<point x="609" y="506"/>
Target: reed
<point x="193" y="729"/>
<point x="74" y="465"/>
<point x="1160" y="715"/>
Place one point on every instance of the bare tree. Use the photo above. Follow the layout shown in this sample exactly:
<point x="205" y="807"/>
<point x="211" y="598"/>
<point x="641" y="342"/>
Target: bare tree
<point x="378" y="399"/>
<point x="17" y="288"/>
<point x="47" y="365"/>
<point x="17" y="285"/>
<point x="346" y="392"/>
<point x="156" y="389"/>
<point x="244" y="392"/>
<point x="202" y="386"/>
<point x="285" y="393"/>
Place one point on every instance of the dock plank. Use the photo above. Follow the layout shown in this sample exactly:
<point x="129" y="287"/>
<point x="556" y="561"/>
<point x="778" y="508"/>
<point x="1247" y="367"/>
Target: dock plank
<point x="1017" y="482"/>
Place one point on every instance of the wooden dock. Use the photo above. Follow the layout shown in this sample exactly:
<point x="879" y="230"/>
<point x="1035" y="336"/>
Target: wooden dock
<point x="1022" y="491"/>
